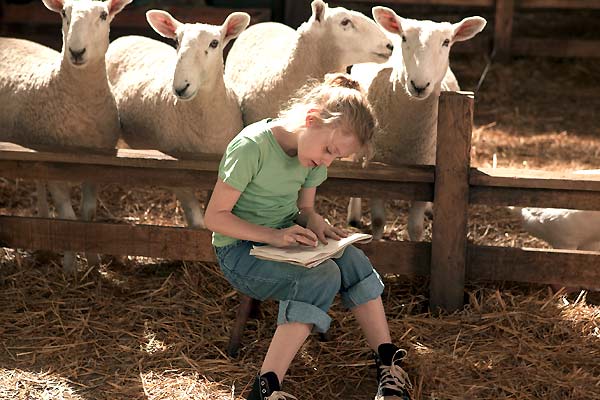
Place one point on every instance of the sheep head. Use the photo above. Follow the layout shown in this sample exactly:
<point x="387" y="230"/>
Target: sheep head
<point x="85" y="26"/>
<point x="356" y="37"/>
<point x="423" y="47"/>
<point x="199" y="49"/>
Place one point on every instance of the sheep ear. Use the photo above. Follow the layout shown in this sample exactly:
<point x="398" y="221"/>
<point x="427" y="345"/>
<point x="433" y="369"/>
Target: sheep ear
<point x="115" y="6"/>
<point x="54" y="5"/>
<point x="163" y="23"/>
<point x="234" y="25"/>
<point x="318" y="10"/>
<point x="387" y="19"/>
<point x="467" y="28"/>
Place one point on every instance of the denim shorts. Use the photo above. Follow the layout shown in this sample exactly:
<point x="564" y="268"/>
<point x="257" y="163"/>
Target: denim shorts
<point x="304" y="294"/>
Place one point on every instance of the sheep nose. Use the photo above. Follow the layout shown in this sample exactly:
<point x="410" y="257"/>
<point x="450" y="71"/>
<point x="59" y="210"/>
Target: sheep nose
<point x="419" y="89"/>
<point x="180" y="92"/>
<point x="390" y="47"/>
<point x="77" y="54"/>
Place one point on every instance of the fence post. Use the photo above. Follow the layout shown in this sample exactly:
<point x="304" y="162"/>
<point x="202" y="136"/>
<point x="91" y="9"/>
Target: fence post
<point x="451" y="201"/>
<point x="503" y="24"/>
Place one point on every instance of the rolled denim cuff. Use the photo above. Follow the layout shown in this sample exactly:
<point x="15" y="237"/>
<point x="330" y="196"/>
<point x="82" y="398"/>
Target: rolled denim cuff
<point x="297" y="311"/>
<point x="366" y="290"/>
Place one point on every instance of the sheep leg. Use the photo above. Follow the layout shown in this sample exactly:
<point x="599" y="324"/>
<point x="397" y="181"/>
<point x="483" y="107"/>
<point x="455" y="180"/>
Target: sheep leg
<point x="89" y="194"/>
<point x="354" y="212"/>
<point x="62" y="200"/>
<point x="191" y="207"/>
<point x="42" y="200"/>
<point x="416" y="220"/>
<point x="377" y="218"/>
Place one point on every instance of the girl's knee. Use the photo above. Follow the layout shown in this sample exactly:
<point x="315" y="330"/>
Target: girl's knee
<point x="328" y="275"/>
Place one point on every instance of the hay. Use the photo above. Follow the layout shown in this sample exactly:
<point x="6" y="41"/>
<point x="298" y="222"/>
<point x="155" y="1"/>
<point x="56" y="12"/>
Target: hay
<point x="159" y="331"/>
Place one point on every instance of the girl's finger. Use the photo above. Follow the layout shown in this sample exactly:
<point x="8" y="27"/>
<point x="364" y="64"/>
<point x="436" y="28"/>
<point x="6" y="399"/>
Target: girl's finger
<point x="322" y="237"/>
<point x="333" y="234"/>
<point x="306" y="232"/>
<point x="305" y="240"/>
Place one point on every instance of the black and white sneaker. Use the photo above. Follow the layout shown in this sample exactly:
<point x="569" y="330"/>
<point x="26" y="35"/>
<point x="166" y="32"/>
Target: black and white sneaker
<point x="266" y="387"/>
<point x="392" y="381"/>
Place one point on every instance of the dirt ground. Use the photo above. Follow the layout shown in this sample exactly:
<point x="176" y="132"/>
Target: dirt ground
<point x="141" y="328"/>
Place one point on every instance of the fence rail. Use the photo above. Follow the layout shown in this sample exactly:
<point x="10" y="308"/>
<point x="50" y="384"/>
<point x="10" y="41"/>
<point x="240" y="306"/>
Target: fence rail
<point x="449" y="259"/>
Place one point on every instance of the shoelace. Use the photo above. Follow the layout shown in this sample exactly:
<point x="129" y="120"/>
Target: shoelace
<point x="393" y="377"/>
<point x="279" y="395"/>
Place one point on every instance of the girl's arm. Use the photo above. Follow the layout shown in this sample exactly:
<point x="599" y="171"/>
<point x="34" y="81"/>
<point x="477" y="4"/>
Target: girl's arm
<point x="309" y="218"/>
<point x="219" y="218"/>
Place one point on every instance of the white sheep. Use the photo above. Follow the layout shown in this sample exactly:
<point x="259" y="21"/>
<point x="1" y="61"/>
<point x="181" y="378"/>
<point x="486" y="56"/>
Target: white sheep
<point x="563" y="228"/>
<point x="269" y="62"/>
<point x="404" y="94"/>
<point x="177" y="100"/>
<point x="54" y="100"/>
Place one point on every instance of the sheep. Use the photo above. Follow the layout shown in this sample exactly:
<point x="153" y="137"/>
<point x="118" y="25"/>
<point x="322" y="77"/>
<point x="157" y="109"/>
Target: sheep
<point x="404" y="94"/>
<point x="177" y="100"/>
<point x="563" y="228"/>
<point x="269" y="62"/>
<point x="62" y="100"/>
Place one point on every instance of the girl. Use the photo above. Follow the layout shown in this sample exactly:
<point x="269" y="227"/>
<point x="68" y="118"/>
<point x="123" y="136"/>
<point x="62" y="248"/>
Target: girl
<point x="265" y="194"/>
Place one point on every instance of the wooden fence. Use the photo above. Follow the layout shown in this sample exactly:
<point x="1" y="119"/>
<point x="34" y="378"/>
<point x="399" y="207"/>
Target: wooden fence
<point x="452" y="183"/>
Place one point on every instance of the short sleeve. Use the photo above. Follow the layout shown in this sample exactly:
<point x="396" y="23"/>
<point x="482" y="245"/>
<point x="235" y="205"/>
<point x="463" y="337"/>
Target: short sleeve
<point x="315" y="177"/>
<point x="239" y="163"/>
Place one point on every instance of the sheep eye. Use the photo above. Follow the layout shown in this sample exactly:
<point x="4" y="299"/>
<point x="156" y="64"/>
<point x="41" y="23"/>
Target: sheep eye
<point x="404" y="38"/>
<point x="176" y="42"/>
<point x="446" y="43"/>
<point x="345" y="21"/>
<point x="103" y="15"/>
<point x="214" y="43"/>
<point x="63" y="13"/>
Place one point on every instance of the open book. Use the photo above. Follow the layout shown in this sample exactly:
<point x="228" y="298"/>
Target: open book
<point x="307" y="256"/>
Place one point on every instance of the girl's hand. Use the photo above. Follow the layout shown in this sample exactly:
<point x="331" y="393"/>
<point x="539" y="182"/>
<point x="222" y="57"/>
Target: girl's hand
<point x="323" y="229"/>
<point x="295" y="234"/>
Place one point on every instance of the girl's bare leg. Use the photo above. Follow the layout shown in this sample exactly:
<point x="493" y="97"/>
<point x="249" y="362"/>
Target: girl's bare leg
<point x="286" y="342"/>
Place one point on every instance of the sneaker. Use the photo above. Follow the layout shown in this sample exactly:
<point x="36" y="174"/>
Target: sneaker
<point x="266" y="387"/>
<point x="392" y="381"/>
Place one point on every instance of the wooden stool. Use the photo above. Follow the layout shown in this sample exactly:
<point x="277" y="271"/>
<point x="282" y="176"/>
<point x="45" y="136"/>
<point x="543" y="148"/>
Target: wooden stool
<point x="248" y="308"/>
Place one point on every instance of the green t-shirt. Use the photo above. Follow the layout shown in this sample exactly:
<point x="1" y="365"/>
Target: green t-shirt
<point x="269" y="179"/>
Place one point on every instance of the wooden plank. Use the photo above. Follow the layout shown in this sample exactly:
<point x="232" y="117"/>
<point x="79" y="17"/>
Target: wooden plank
<point x="535" y="179"/>
<point x="451" y="195"/>
<point x="566" y="4"/>
<point x="503" y="29"/>
<point x="572" y="268"/>
<point x="170" y="242"/>
<point x="547" y="47"/>
<point x="199" y="162"/>
<point x="106" y="238"/>
<point x="566" y="267"/>
<point x="499" y="196"/>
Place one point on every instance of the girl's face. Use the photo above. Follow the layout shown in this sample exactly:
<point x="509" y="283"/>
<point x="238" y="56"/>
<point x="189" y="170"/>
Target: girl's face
<point x="320" y="145"/>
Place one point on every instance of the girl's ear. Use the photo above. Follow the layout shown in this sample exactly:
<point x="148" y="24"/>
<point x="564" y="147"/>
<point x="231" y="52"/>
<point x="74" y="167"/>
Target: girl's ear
<point x="163" y="23"/>
<point x="387" y="19"/>
<point x="467" y="28"/>
<point x="310" y="116"/>
<point x="234" y="25"/>
<point x="54" y="5"/>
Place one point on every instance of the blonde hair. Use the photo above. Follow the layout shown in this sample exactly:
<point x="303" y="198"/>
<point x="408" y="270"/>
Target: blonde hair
<point x="338" y="101"/>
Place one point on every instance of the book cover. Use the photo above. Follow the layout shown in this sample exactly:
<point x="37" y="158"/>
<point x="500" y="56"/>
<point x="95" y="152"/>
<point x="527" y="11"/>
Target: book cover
<point x="307" y="256"/>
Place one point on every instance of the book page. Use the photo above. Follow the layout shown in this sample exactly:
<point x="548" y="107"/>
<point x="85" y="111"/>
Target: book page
<point x="308" y="256"/>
